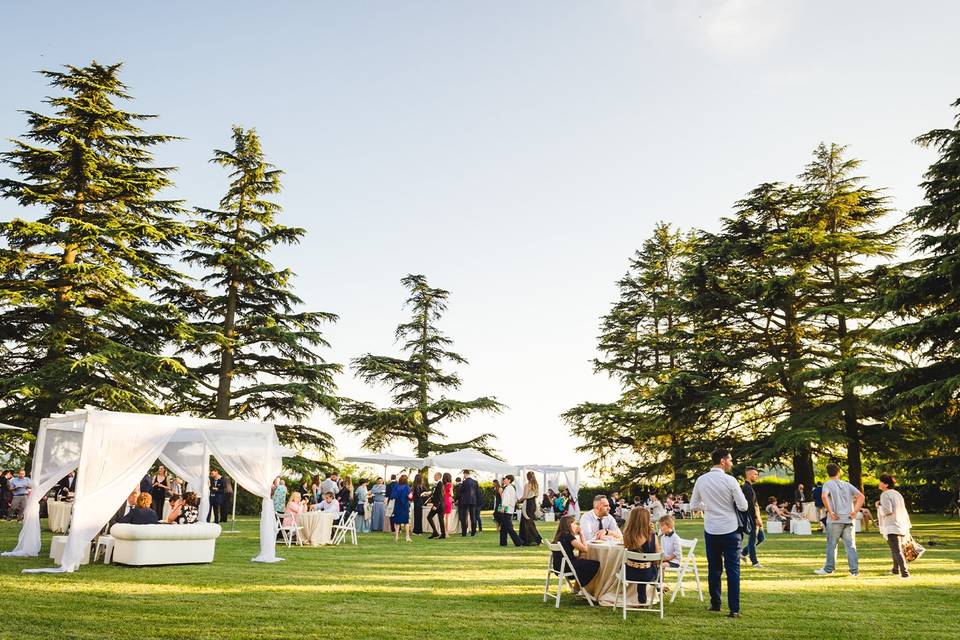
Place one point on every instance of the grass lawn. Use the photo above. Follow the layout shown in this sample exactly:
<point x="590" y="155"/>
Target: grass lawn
<point x="469" y="588"/>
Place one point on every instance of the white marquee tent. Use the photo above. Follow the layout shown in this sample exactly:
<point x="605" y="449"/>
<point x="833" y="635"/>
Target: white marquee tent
<point x="112" y="451"/>
<point x="552" y="475"/>
<point x="388" y="460"/>
<point x="471" y="459"/>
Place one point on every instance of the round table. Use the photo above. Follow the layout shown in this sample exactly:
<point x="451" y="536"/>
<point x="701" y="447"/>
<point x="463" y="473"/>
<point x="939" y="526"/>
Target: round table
<point x="317" y="527"/>
<point x="58" y="515"/>
<point x="452" y="521"/>
<point x="603" y="587"/>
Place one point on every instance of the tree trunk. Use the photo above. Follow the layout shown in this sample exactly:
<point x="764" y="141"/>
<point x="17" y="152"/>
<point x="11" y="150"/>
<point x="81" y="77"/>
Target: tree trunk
<point x="226" y="354"/>
<point x="803" y="467"/>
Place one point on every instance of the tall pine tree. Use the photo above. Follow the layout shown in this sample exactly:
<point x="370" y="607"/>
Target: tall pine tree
<point x="74" y="321"/>
<point x="415" y="382"/>
<point x="923" y="395"/>
<point x="842" y="222"/>
<point x="253" y="352"/>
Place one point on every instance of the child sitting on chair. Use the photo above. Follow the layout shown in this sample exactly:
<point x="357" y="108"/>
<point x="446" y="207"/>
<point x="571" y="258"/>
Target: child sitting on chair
<point x="669" y="542"/>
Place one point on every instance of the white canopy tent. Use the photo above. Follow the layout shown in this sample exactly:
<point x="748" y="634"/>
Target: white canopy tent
<point x="471" y="459"/>
<point x="111" y="451"/>
<point x="388" y="460"/>
<point x="552" y="475"/>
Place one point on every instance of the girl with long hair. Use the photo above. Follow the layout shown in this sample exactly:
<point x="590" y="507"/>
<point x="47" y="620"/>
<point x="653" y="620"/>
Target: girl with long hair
<point x="639" y="536"/>
<point x="568" y="536"/>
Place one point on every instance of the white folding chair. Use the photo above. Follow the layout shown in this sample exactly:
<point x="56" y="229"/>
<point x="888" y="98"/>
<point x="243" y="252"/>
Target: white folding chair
<point x="688" y="562"/>
<point x="340" y="531"/>
<point x="657" y="583"/>
<point x="289" y="532"/>
<point x="566" y="571"/>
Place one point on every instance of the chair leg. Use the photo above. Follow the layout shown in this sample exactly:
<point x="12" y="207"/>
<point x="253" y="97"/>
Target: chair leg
<point x="696" y="578"/>
<point x="679" y="586"/>
<point x="559" y="588"/>
<point x="546" y="586"/>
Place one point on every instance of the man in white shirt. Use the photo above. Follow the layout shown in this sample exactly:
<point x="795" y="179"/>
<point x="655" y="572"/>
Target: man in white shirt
<point x="508" y="505"/>
<point x="331" y="484"/>
<point x="719" y="496"/>
<point x="598" y="524"/>
<point x="329" y="504"/>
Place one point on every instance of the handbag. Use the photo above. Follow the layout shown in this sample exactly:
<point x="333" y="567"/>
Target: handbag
<point x="912" y="550"/>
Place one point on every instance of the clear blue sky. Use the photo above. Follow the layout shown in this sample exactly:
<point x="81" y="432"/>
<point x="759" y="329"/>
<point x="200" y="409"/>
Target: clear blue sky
<point x="515" y="153"/>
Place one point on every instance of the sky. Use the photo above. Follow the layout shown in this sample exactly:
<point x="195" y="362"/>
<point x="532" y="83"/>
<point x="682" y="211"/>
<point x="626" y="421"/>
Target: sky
<point x="516" y="154"/>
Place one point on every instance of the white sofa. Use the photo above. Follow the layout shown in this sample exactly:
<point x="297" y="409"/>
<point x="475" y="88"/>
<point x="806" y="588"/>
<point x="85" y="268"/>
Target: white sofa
<point x="150" y="544"/>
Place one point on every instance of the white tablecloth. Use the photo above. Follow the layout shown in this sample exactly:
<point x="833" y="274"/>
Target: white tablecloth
<point x="810" y="512"/>
<point x="452" y="521"/>
<point x="58" y="515"/>
<point x="603" y="587"/>
<point x="317" y="527"/>
<point x="800" y="527"/>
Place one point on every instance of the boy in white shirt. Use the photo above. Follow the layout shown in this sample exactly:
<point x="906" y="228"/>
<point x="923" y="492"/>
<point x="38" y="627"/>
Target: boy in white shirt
<point x="669" y="542"/>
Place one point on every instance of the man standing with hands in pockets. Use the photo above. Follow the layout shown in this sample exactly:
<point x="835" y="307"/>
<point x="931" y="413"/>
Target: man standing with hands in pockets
<point x="719" y="496"/>
<point x="842" y="501"/>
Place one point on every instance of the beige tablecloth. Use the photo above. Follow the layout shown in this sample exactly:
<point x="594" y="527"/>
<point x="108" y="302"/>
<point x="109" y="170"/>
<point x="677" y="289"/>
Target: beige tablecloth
<point x="603" y="587"/>
<point x="452" y="521"/>
<point x="317" y="527"/>
<point x="810" y="512"/>
<point x="58" y="515"/>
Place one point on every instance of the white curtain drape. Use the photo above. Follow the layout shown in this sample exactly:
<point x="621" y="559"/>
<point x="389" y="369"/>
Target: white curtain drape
<point x="57" y="454"/>
<point x="116" y="453"/>
<point x="573" y="484"/>
<point x="253" y="460"/>
<point x="191" y="461"/>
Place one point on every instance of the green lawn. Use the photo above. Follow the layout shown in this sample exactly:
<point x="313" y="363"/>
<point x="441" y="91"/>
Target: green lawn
<point x="468" y="588"/>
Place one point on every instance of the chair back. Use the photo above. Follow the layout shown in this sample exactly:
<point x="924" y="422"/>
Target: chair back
<point x="636" y="556"/>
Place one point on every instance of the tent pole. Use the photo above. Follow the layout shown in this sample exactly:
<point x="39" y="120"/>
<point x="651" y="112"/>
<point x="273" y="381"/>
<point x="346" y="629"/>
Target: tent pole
<point x="233" y="515"/>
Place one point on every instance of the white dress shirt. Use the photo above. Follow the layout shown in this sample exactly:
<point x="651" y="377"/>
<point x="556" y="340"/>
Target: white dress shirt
<point x="329" y="507"/>
<point x="590" y="524"/>
<point x="508" y="499"/>
<point x="719" y="496"/>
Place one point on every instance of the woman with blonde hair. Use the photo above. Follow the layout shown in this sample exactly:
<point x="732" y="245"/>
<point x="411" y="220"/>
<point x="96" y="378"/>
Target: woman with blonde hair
<point x="294" y="508"/>
<point x="639" y="536"/>
<point x="528" y="512"/>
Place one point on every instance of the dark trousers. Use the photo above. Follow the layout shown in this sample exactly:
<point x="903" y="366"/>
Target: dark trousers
<point x="756" y="537"/>
<point x="897" y="553"/>
<point x="417" y="517"/>
<point x="476" y="516"/>
<point x="723" y="553"/>
<point x="216" y="510"/>
<point x="506" y="529"/>
<point x="467" y="511"/>
<point x="434" y="512"/>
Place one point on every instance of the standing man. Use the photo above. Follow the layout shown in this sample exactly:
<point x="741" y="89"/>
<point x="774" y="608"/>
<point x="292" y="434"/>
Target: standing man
<point x="331" y="484"/>
<point x="227" y="503"/>
<point x="469" y="495"/>
<point x="390" y="486"/>
<point x="842" y="501"/>
<point x="20" y="487"/>
<point x="436" y="508"/>
<point x="756" y="533"/>
<point x="508" y="505"/>
<point x="719" y="497"/>
<point x="818" y="503"/>
<point x="216" y="496"/>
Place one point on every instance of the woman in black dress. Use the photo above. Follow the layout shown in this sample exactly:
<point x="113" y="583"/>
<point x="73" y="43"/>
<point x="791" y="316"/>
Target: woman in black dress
<point x="639" y="536"/>
<point x="528" y="514"/>
<point x="568" y="537"/>
<point x="418" y="489"/>
<point x="161" y="485"/>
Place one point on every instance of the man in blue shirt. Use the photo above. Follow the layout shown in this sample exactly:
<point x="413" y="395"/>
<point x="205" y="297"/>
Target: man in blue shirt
<point x="21" y="486"/>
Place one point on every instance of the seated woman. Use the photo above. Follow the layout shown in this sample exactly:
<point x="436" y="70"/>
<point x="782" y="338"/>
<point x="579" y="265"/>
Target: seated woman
<point x="775" y="513"/>
<point x="184" y="510"/>
<point x="142" y="513"/>
<point x="638" y="536"/>
<point x="568" y="536"/>
<point x="295" y="507"/>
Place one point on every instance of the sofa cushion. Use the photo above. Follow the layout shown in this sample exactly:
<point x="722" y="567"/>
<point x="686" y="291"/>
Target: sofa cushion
<point x="199" y="531"/>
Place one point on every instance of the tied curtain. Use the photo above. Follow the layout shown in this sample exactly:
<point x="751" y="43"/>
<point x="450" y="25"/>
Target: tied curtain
<point x="116" y="454"/>
<point x="253" y="460"/>
<point x="57" y="454"/>
<point x="191" y="461"/>
<point x="573" y="484"/>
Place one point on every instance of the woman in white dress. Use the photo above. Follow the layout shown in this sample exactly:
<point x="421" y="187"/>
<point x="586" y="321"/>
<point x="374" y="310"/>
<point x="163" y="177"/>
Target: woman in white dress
<point x="894" y="522"/>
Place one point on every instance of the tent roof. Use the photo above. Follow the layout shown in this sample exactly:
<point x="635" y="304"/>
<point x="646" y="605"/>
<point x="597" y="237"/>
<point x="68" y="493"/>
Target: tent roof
<point x="548" y="468"/>
<point x="388" y="459"/>
<point x="471" y="459"/>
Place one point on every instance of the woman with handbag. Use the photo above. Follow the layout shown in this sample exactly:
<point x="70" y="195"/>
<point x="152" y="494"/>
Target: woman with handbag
<point x="894" y="522"/>
<point x="528" y="513"/>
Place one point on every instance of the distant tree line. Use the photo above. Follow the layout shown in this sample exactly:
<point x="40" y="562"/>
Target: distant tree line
<point x="797" y="332"/>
